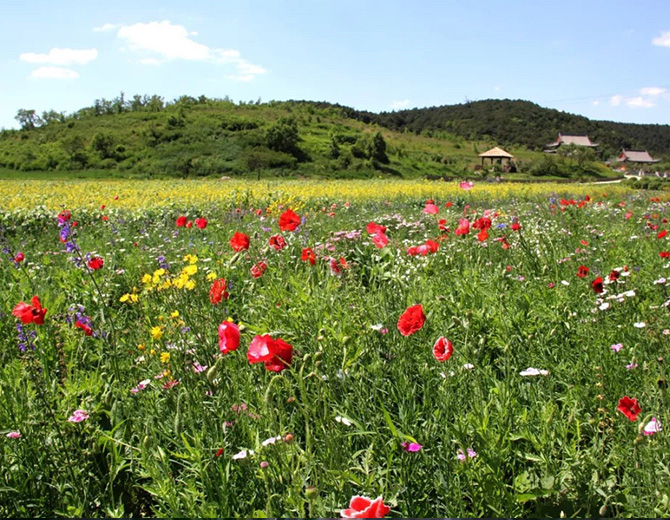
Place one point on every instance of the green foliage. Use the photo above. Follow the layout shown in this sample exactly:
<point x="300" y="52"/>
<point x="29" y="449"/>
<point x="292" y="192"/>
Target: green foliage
<point x="283" y="135"/>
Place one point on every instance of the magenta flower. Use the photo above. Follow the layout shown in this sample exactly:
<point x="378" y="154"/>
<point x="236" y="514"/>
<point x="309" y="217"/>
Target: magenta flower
<point x="616" y="347"/>
<point x="632" y="366"/>
<point x="652" y="427"/>
<point x="17" y="434"/>
<point x="471" y="454"/>
<point x="78" y="416"/>
<point x="412" y="447"/>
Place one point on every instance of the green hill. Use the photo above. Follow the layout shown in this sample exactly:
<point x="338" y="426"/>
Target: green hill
<point x="147" y="137"/>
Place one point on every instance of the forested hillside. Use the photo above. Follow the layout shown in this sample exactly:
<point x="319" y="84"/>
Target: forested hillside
<point x="145" y="136"/>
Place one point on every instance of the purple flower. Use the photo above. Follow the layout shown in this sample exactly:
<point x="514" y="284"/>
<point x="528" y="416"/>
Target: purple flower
<point x="412" y="447"/>
<point x="471" y="454"/>
<point x="632" y="366"/>
<point x="616" y="347"/>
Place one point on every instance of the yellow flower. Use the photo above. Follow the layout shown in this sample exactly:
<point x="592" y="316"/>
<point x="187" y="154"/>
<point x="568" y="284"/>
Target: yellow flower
<point x="175" y="314"/>
<point x="131" y="298"/>
<point x="146" y="279"/>
<point x="159" y="272"/>
<point x="141" y="346"/>
<point x="211" y="277"/>
<point x="190" y="270"/>
<point x="190" y="285"/>
<point x="165" y="357"/>
<point x="191" y="259"/>
<point x="156" y="333"/>
<point x="152" y="351"/>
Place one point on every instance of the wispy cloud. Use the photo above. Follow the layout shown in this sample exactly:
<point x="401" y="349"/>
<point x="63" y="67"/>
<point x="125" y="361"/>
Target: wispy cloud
<point x="663" y="40"/>
<point x="106" y="27"/>
<point x="58" y="56"/>
<point x="653" y="91"/>
<point x="640" y="102"/>
<point x="54" y="73"/>
<point x="615" y="101"/>
<point x="161" y="42"/>
<point x="399" y="104"/>
<point x="646" y="99"/>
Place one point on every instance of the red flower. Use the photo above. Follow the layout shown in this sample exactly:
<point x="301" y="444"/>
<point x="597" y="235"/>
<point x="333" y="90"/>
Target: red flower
<point x="664" y="254"/>
<point x="289" y="220"/>
<point x="20" y="257"/>
<point x="308" y="256"/>
<point x="442" y="349"/>
<point x="189" y="224"/>
<point x="277" y="242"/>
<point x="516" y="226"/>
<point x="431" y="209"/>
<point x="363" y="507"/>
<point x="662" y="234"/>
<point x="482" y="235"/>
<point x="597" y="284"/>
<point x="582" y="271"/>
<point x="442" y="224"/>
<point x="448" y="204"/>
<point x="629" y="407"/>
<point x="373" y="228"/>
<point x="258" y="269"/>
<point x="30" y="313"/>
<point x="229" y="337"/>
<point x="411" y="320"/>
<point x="276" y="354"/>
<point x="181" y="221"/>
<point x="201" y="222"/>
<point x="282" y="358"/>
<point x="380" y="240"/>
<point x="218" y="291"/>
<point x="87" y="329"/>
<point x="239" y="242"/>
<point x="482" y="223"/>
<point x="95" y="263"/>
<point x="614" y="275"/>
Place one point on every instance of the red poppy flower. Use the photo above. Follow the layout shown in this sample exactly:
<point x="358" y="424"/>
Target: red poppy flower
<point x="218" y="291"/>
<point x="442" y="224"/>
<point x="30" y="313"/>
<point x="582" y="271"/>
<point x="239" y="242"/>
<point x="448" y="204"/>
<point x="95" y="263"/>
<point x="664" y="254"/>
<point x="411" y="320"/>
<point x="201" y="222"/>
<point x="189" y="224"/>
<point x="516" y="226"/>
<point x="629" y="407"/>
<point x="373" y="228"/>
<point x="662" y="234"/>
<point x="87" y="329"/>
<point x="282" y="358"/>
<point x="289" y="220"/>
<point x="363" y="507"/>
<point x="20" y="257"/>
<point x="443" y="349"/>
<point x="258" y="269"/>
<point x="260" y="349"/>
<point x="482" y="223"/>
<point x="277" y="242"/>
<point x="597" y="284"/>
<point x="482" y="235"/>
<point x="308" y="256"/>
<point x="431" y="209"/>
<point x="219" y="452"/>
<point x="181" y="221"/>
<point x="380" y="240"/>
<point x="334" y="267"/>
<point x="614" y="275"/>
<point x="229" y="337"/>
<point x="64" y="216"/>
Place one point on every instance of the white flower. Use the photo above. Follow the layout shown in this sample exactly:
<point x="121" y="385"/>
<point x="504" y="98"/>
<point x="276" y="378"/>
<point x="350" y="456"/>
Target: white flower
<point x="468" y="366"/>
<point x="343" y="420"/>
<point x="659" y="281"/>
<point x="604" y="306"/>
<point x="377" y="327"/>
<point x="271" y="440"/>
<point x="652" y="427"/>
<point x="243" y="454"/>
<point x="629" y="294"/>
<point x="565" y="282"/>
<point x="534" y="372"/>
<point x="639" y="325"/>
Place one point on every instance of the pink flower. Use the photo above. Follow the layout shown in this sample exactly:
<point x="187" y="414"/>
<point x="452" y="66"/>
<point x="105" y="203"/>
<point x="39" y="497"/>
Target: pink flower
<point x="431" y="209"/>
<point x="411" y="446"/>
<point x="652" y="427"/>
<point x="616" y="347"/>
<point x="78" y="416"/>
<point x="466" y="185"/>
<point x="17" y="434"/>
<point x="471" y="454"/>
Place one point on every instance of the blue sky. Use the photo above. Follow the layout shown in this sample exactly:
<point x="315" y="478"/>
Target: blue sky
<point x="603" y="59"/>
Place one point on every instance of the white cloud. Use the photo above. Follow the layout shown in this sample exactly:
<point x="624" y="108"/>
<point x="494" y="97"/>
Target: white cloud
<point x="399" y="104"/>
<point x="54" y="73"/>
<point x="167" y="41"/>
<point x="663" y="40"/>
<point x="61" y="56"/>
<point x="596" y="103"/>
<point x="615" y="101"/>
<point x="106" y="27"/>
<point x="496" y="88"/>
<point x="640" y="102"/>
<point x="652" y="91"/>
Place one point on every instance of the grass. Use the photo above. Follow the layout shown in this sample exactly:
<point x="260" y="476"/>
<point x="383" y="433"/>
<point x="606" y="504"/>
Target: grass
<point x="356" y="389"/>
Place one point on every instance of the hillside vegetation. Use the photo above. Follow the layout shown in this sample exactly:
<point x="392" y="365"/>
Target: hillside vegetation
<point x="148" y="137"/>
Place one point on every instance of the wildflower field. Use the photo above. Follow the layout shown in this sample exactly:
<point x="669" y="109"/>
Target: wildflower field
<point x="327" y="349"/>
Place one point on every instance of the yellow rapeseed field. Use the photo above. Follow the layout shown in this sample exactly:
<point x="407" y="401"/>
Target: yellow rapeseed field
<point x="138" y="194"/>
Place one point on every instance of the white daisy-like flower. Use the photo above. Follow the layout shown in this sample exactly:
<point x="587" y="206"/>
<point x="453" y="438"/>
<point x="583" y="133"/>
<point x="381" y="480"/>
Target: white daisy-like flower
<point x="343" y="420"/>
<point x="530" y="371"/>
<point x="243" y="454"/>
<point x="604" y="306"/>
<point x="271" y="440"/>
<point x="639" y="324"/>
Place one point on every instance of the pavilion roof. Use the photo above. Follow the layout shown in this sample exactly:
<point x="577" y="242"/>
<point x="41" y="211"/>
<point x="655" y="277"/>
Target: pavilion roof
<point x="496" y="153"/>
<point x="579" y="140"/>
<point x="639" y="156"/>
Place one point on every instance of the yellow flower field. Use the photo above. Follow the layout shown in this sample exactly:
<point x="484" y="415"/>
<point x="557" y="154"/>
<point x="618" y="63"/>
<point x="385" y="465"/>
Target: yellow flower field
<point x="132" y="194"/>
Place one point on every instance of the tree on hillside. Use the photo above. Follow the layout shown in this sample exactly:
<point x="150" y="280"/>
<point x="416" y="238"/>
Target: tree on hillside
<point x="283" y="135"/>
<point x="28" y="119"/>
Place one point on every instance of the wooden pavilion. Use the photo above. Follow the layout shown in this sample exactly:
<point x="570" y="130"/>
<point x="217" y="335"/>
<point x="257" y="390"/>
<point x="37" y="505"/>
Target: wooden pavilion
<point x="496" y="155"/>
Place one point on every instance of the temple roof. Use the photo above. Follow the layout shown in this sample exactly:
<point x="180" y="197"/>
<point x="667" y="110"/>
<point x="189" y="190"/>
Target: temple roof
<point x="579" y="140"/>
<point x="639" y="156"/>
